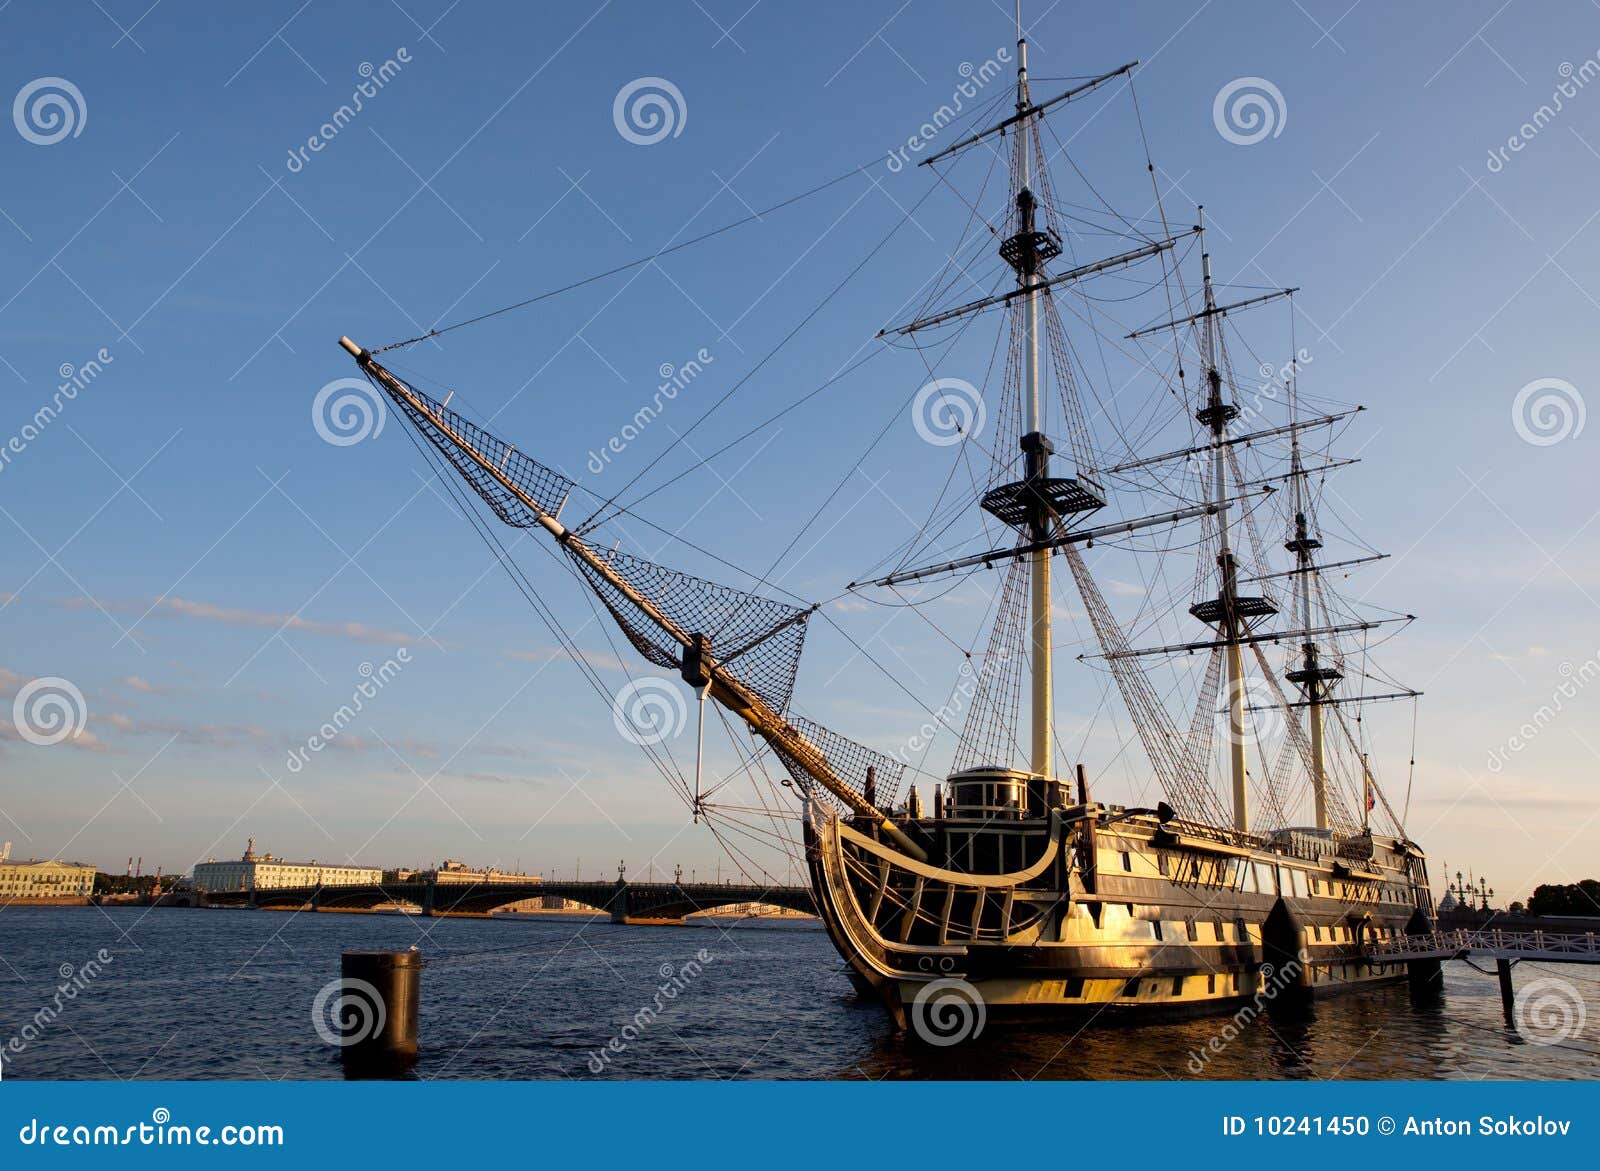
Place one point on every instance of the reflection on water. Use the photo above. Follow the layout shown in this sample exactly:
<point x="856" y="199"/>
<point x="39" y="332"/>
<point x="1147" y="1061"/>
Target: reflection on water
<point x="214" y="994"/>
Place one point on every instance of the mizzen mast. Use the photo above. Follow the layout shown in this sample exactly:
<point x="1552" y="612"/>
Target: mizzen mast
<point x="1313" y="678"/>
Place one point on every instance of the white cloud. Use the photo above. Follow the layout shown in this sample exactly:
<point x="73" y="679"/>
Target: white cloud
<point x="230" y="616"/>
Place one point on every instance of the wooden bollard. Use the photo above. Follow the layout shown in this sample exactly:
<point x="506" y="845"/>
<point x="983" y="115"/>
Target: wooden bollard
<point x="379" y="995"/>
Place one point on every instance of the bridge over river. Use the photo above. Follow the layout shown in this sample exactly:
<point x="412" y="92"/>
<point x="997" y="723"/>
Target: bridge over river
<point x="625" y="902"/>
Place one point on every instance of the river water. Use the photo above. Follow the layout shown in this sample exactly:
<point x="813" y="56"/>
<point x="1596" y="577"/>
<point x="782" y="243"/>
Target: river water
<point x="230" y="994"/>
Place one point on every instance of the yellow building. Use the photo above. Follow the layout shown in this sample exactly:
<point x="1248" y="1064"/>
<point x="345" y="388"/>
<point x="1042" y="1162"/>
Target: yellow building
<point x="52" y="880"/>
<point x="265" y="872"/>
<point x="460" y="872"/>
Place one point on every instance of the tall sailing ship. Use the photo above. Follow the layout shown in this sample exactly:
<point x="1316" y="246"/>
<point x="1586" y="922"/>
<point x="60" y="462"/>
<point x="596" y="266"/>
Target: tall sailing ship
<point x="1273" y="864"/>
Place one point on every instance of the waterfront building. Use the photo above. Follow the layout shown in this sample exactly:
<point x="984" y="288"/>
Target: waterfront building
<point x="266" y="872"/>
<point x="51" y="880"/>
<point x="459" y="872"/>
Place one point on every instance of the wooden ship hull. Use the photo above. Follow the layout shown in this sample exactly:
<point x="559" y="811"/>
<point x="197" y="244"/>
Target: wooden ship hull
<point x="1131" y="918"/>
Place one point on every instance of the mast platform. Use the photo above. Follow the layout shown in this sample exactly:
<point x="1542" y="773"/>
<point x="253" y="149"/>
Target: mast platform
<point x="1210" y="610"/>
<point x="1015" y="503"/>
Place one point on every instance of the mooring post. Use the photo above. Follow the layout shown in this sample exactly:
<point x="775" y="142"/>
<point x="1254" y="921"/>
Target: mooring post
<point x="1508" y="997"/>
<point x="383" y="988"/>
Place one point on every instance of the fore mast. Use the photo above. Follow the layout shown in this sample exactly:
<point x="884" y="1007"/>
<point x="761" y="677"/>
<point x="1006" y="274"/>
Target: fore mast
<point x="1026" y="252"/>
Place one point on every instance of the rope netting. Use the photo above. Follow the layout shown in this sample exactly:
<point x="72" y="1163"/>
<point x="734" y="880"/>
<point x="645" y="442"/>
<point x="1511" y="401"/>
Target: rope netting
<point x="990" y="734"/>
<point x="546" y="488"/>
<point x="1182" y="778"/>
<point x="849" y="762"/>
<point x="756" y="640"/>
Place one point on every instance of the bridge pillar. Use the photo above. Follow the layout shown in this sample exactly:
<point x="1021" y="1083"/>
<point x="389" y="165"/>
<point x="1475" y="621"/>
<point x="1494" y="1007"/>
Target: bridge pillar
<point x="1508" y="995"/>
<point x="316" y="897"/>
<point x="1426" y="976"/>
<point x="427" y="899"/>
<point x="619" y="902"/>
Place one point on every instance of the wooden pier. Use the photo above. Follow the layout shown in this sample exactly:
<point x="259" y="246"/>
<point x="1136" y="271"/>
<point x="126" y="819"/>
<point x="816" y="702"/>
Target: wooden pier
<point x="1505" y="948"/>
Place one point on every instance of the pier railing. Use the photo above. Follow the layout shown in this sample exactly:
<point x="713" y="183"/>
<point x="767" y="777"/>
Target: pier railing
<point x="1494" y="943"/>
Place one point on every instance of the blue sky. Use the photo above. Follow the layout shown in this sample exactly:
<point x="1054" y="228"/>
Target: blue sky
<point x="211" y="575"/>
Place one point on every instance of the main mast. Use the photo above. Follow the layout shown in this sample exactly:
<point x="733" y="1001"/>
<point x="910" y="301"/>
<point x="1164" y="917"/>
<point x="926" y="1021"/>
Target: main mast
<point x="1026" y="259"/>
<point x="1226" y="611"/>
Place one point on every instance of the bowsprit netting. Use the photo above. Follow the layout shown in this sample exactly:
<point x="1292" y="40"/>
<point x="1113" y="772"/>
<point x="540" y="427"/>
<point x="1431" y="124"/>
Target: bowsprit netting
<point x="546" y="488"/>
<point x="756" y="640"/>
<point x="849" y="762"/>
